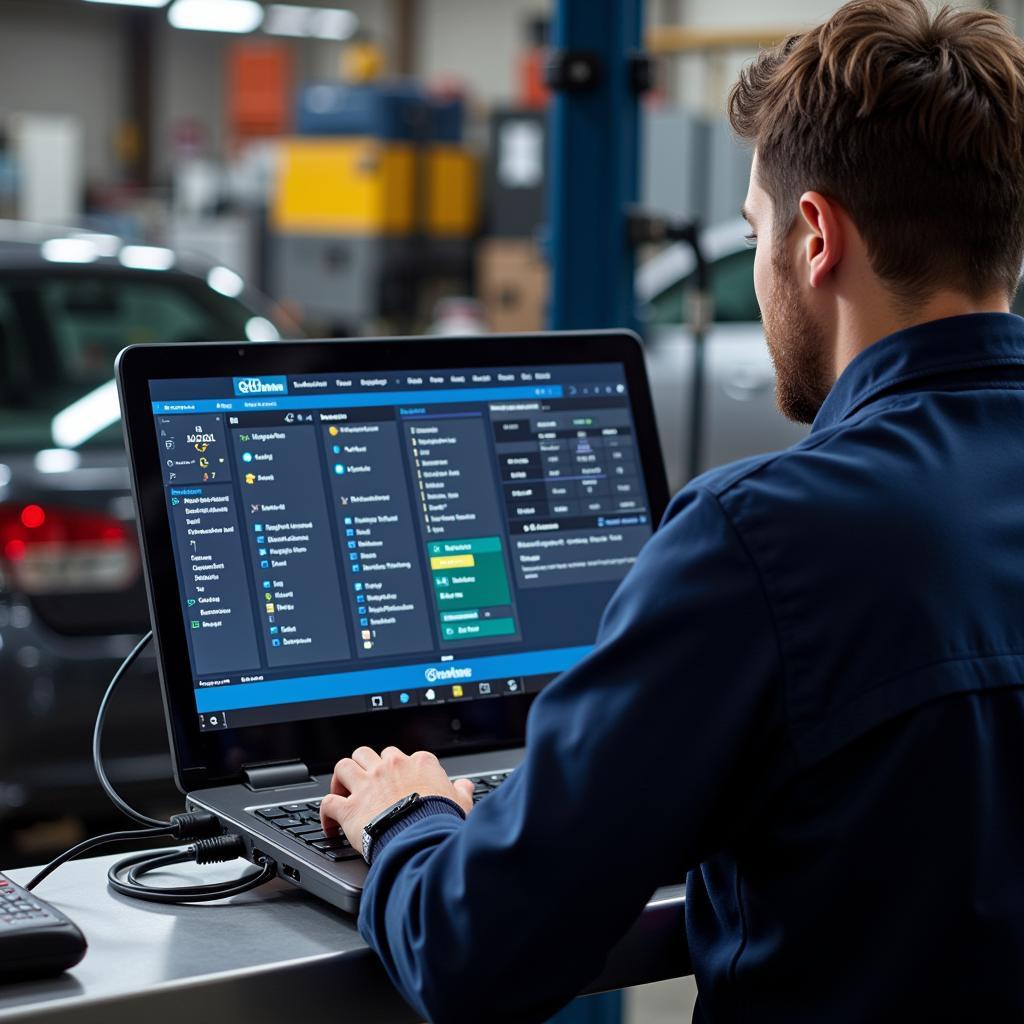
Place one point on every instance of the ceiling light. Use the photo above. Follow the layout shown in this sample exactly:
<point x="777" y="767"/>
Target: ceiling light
<point x="68" y="250"/>
<point x="216" y="15"/>
<point x="310" y="22"/>
<point x="146" y="257"/>
<point x="225" y="282"/>
<point x="286" y="20"/>
<point x="131" y="3"/>
<point x="259" y="328"/>
<point x="331" y="23"/>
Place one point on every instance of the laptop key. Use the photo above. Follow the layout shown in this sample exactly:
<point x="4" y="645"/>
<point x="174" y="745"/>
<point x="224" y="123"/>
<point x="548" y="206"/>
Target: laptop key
<point x="331" y="843"/>
<point x="301" y="831"/>
<point x="287" y="823"/>
<point x="293" y="808"/>
<point x="270" y="813"/>
<point x="344" y="853"/>
<point x="314" y="836"/>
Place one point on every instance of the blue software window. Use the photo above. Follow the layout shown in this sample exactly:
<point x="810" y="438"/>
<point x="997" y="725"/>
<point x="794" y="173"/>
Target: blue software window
<point x="348" y="542"/>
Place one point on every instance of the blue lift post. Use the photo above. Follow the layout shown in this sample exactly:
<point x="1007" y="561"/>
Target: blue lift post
<point x="596" y="72"/>
<point x="593" y="173"/>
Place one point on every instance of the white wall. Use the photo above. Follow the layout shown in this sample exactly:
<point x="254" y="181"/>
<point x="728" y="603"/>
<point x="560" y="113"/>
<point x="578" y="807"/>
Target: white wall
<point x="475" y="40"/>
<point x="56" y="58"/>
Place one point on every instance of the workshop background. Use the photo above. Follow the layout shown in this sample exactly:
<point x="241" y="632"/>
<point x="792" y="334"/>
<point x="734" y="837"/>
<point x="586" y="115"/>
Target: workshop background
<point x="182" y="170"/>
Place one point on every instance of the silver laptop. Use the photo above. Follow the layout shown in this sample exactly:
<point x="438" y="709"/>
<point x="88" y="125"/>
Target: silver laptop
<point x="388" y="541"/>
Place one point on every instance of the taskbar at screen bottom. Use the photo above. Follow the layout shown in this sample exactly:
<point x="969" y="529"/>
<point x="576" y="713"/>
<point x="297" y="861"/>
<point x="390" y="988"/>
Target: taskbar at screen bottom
<point x="425" y="696"/>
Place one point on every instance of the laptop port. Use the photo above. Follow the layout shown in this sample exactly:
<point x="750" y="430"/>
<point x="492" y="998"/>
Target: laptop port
<point x="290" y="872"/>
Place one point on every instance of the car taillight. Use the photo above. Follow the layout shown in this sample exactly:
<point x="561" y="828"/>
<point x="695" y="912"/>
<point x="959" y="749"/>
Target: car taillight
<point x="47" y="549"/>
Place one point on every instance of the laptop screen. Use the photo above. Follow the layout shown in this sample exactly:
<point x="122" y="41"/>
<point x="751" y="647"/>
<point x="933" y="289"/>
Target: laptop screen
<point x="357" y="542"/>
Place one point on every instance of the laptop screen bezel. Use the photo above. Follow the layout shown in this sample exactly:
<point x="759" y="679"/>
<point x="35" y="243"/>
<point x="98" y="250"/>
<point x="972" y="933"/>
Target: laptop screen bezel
<point x="204" y="759"/>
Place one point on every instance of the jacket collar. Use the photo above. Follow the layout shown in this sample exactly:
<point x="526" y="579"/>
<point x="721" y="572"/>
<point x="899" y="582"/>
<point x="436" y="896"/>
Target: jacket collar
<point x="925" y="350"/>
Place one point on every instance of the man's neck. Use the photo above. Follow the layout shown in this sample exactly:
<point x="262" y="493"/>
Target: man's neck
<point x="868" y="322"/>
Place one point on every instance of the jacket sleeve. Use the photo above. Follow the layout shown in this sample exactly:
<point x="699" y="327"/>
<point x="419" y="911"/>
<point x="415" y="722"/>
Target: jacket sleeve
<point x="636" y="766"/>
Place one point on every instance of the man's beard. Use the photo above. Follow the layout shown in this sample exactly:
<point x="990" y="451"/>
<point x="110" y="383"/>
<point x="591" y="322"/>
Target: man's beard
<point x="797" y="346"/>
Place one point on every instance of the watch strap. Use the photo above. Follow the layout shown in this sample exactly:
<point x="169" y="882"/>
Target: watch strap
<point x="426" y="807"/>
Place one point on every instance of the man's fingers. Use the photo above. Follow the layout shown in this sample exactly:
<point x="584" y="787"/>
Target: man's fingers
<point x="332" y="812"/>
<point x="464" y="788"/>
<point x="365" y="757"/>
<point x="348" y="773"/>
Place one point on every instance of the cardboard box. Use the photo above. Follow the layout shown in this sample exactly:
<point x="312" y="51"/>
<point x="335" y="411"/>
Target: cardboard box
<point x="512" y="284"/>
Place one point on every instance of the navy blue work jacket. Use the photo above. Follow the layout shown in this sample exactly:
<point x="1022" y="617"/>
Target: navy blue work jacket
<point x="808" y="694"/>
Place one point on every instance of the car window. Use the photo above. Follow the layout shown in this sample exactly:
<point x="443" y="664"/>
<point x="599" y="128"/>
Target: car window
<point x="59" y="334"/>
<point x="732" y="289"/>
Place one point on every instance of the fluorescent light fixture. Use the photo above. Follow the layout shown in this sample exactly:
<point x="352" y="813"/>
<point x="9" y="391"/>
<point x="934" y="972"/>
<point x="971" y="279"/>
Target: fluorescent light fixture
<point x="131" y="3"/>
<point x="86" y="417"/>
<point x="259" y="328"/>
<point x="333" y="23"/>
<point x="68" y="250"/>
<point x="57" y="460"/>
<point x="216" y="15"/>
<point x="146" y="257"/>
<point x="286" y="20"/>
<point x="310" y="22"/>
<point x="225" y="282"/>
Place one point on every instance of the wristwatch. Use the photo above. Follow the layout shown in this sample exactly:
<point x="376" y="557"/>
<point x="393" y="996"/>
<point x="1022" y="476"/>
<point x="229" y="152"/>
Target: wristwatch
<point x="383" y="821"/>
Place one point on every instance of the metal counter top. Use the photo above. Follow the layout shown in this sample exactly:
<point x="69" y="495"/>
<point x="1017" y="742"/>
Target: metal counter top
<point x="266" y="956"/>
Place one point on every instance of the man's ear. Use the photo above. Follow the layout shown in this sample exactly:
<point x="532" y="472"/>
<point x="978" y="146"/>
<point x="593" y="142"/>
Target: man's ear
<point x="823" y="242"/>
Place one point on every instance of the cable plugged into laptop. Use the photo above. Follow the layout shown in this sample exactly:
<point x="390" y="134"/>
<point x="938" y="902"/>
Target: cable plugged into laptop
<point x="210" y="846"/>
<point x="123" y="877"/>
<point x="217" y="849"/>
<point x="197" y="825"/>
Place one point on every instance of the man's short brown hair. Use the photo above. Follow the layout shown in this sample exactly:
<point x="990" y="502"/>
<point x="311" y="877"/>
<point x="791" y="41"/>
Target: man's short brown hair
<point x="914" y="124"/>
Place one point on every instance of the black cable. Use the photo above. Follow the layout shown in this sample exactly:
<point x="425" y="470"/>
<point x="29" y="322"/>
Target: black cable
<point x="220" y="848"/>
<point x="210" y="847"/>
<point x="91" y="844"/>
<point x="97" y="735"/>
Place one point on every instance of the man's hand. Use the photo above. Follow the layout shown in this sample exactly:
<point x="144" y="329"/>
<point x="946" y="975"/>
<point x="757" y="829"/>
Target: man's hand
<point x="367" y="783"/>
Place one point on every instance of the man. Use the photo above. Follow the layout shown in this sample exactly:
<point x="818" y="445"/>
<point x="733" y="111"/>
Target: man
<point x="809" y="692"/>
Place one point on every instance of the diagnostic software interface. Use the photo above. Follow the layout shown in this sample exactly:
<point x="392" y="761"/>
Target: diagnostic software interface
<point x="356" y="542"/>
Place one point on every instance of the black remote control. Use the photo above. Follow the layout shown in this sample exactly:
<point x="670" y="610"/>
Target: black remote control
<point x="36" y="940"/>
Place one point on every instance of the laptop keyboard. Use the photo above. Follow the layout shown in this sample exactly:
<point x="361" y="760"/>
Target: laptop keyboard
<point x="301" y="821"/>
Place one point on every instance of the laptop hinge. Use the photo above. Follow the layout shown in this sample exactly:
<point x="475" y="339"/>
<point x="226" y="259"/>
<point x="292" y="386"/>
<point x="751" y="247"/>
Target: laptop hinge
<point x="273" y="776"/>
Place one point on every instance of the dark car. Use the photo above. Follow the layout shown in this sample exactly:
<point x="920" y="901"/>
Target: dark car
<point x="72" y="602"/>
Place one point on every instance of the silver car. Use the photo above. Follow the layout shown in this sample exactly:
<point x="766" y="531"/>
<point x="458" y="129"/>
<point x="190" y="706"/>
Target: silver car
<point x="740" y="417"/>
